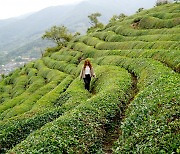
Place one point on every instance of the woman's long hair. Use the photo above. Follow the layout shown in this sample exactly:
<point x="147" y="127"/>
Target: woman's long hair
<point x="87" y="63"/>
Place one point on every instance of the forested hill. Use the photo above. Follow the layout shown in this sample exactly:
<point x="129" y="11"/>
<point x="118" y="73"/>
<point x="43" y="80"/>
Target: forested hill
<point x="134" y="102"/>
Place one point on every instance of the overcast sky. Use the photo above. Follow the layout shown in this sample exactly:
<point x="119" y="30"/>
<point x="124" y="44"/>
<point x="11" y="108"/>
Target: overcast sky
<point x="12" y="8"/>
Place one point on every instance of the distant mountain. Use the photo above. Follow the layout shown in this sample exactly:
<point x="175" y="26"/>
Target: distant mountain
<point x="17" y="33"/>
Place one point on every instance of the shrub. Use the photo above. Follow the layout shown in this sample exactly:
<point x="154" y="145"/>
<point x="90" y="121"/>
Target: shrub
<point x="87" y="119"/>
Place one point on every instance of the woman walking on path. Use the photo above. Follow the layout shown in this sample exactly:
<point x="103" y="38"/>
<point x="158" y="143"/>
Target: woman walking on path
<point x="87" y="72"/>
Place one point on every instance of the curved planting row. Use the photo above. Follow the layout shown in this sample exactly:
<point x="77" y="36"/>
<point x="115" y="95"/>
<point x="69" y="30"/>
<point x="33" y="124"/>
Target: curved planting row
<point x="17" y="128"/>
<point x="40" y="105"/>
<point x="154" y="23"/>
<point x="168" y="57"/>
<point x="72" y="57"/>
<point x="101" y="45"/>
<point x="151" y="122"/>
<point x="129" y="31"/>
<point x="59" y="65"/>
<point x="60" y="116"/>
<point x="162" y="15"/>
<point x="52" y="76"/>
<point x="36" y="95"/>
<point x="81" y="130"/>
<point x="12" y="83"/>
<point x="113" y="37"/>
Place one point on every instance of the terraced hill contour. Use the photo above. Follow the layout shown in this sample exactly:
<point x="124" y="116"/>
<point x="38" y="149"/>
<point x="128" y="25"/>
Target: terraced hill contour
<point x="134" y="104"/>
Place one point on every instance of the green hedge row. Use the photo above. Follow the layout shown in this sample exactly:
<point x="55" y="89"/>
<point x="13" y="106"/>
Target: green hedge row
<point x="7" y="105"/>
<point x="31" y="72"/>
<point x="9" y="79"/>
<point x="113" y="37"/>
<point x="18" y="128"/>
<point x="168" y="57"/>
<point x="92" y="41"/>
<point x="9" y="91"/>
<point x="137" y="45"/>
<point x="87" y="51"/>
<point x="54" y="77"/>
<point x="148" y="70"/>
<point x="60" y="65"/>
<point x="164" y="15"/>
<point x="151" y="124"/>
<point x="164" y="12"/>
<point x="171" y="58"/>
<point x="20" y="85"/>
<point x="72" y="58"/>
<point x="167" y="8"/>
<point x="81" y="130"/>
<point x="128" y="31"/>
<point x="27" y="104"/>
<point x="8" y="87"/>
<point x="50" y="98"/>
<point x="47" y="73"/>
<point x="155" y="23"/>
<point x="126" y="45"/>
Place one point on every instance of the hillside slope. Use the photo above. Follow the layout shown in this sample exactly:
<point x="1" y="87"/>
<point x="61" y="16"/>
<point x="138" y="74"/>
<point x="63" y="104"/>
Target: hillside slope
<point x="134" y="103"/>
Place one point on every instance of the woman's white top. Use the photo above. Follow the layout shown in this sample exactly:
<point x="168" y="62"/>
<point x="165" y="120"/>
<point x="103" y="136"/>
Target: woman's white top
<point x="87" y="70"/>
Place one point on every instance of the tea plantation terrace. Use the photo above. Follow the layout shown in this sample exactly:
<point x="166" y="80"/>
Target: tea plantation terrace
<point x="134" y="102"/>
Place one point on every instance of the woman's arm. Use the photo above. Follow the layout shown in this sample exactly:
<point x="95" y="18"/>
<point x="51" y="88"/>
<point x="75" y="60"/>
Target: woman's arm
<point x="93" y="73"/>
<point x="81" y="73"/>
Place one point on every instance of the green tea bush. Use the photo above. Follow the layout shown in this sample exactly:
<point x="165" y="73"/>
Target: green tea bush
<point x="19" y="127"/>
<point x="35" y="80"/>
<point x="165" y="15"/>
<point x="147" y="70"/>
<point x="123" y="45"/>
<point x="155" y="23"/>
<point x="5" y="92"/>
<point x="163" y="130"/>
<point x="169" y="57"/>
<point x="27" y="104"/>
<point x="58" y="56"/>
<point x="151" y="125"/>
<point x="103" y="35"/>
<point x="20" y="85"/>
<point x="92" y="41"/>
<point x="12" y="102"/>
<point x="50" y="98"/>
<point x="53" y="113"/>
<point x="60" y="65"/>
<point x="14" y="131"/>
<point x="69" y="56"/>
<point x="31" y="72"/>
<point x="83" y="125"/>
<point x="22" y="97"/>
<point x="4" y="97"/>
<point x="127" y="31"/>
<point x="54" y="79"/>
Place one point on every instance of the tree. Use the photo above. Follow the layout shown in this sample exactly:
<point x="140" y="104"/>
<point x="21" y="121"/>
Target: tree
<point x="139" y="10"/>
<point x="3" y="76"/>
<point x="94" y="19"/>
<point x="60" y="35"/>
<point x="122" y="15"/>
<point x="117" y="17"/>
<point x="162" y="2"/>
<point x="95" y="24"/>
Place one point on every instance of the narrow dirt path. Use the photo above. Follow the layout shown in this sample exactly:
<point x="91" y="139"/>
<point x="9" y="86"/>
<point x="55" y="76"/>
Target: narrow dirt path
<point x="113" y="131"/>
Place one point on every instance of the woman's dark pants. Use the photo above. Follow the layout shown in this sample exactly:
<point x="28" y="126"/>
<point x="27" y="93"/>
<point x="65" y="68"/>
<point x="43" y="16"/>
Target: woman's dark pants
<point x="87" y="81"/>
